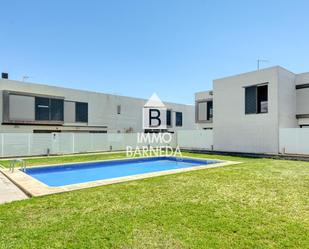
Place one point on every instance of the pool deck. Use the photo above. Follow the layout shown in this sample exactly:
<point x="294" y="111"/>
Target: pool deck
<point x="9" y="192"/>
<point x="33" y="187"/>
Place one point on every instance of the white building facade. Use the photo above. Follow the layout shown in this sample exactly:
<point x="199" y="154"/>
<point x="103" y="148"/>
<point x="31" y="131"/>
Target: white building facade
<point x="37" y="108"/>
<point x="250" y="109"/>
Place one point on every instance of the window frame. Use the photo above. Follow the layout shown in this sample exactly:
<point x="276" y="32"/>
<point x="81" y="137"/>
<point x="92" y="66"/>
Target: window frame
<point x="33" y="120"/>
<point x="48" y="106"/>
<point x="59" y="112"/>
<point x="197" y="118"/>
<point x="181" y="115"/>
<point x="259" y="101"/>
<point x="256" y="99"/>
<point x="77" y="116"/>
<point x="209" y="116"/>
<point x="170" y="123"/>
<point x="39" y="106"/>
<point x="118" y="109"/>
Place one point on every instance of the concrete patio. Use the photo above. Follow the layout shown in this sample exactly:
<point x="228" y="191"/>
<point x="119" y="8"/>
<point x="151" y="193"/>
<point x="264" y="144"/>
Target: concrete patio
<point x="9" y="192"/>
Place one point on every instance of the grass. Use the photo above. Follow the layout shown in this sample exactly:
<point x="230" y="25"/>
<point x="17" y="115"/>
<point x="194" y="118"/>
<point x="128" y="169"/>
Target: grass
<point x="261" y="203"/>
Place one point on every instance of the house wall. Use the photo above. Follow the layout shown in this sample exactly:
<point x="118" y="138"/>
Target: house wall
<point x="287" y="99"/>
<point x="102" y="110"/>
<point x="302" y="98"/>
<point x="302" y="101"/>
<point x="302" y="78"/>
<point x="233" y="130"/>
<point x="288" y="109"/>
<point x="294" y="141"/>
<point x="203" y="96"/>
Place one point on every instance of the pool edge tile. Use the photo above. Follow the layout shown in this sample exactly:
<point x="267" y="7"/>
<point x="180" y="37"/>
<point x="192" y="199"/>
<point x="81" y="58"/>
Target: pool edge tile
<point x="34" y="187"/>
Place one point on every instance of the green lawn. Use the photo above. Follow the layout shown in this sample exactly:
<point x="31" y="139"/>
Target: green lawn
<point x="261" y="203"/>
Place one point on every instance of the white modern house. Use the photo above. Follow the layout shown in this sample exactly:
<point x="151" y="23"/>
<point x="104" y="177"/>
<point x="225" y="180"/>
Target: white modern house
<point x="204" y="110"/>
<point x="249" y="111"/>
<point x="38" y="108"/>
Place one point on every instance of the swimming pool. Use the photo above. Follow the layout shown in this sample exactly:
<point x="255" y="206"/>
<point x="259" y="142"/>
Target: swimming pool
<point x="62" y="175"/>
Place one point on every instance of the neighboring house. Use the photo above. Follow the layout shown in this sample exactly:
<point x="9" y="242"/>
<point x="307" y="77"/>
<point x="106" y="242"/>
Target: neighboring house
<point x="28" y="107"/>
<point x="204" y="110"/>
<point x="249" y="109"/>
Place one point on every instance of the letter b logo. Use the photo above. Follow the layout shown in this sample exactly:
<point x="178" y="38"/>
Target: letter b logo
<point x="154" y="118"/>
<point x="154" y="114"/>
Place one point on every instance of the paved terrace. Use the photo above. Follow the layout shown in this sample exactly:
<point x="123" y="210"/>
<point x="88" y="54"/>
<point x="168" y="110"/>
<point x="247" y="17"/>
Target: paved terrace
<point x="9" y="192"/>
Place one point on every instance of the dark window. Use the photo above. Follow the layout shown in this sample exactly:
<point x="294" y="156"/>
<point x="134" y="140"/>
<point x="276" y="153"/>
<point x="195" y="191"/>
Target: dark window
<point x="47" y="109"/>
<point x="56" y="109"/>
<point x="209" y="110"/>
<point x="168" y="117"/>
<point x="256" y="99"/>
<point x="45" y="131"/>
<point x="178" y="118"/>
<point x="81" y="112"/>
<point x="262" y="99"/>
<point x="42" y="108"/>
<point x="118" y="109"/>
<point x="4" y="75"/>
<point x="250" y="100"/>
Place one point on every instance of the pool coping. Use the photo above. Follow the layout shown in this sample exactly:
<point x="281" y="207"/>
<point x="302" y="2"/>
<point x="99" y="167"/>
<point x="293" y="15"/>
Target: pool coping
<point x="33" y="187"/>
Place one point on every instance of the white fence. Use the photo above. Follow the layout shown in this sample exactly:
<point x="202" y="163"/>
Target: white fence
<point x="195" y="139"/>
<point x="294" y="141"/>
<point x="291" y="141"/>
<point x="28" y="144"/>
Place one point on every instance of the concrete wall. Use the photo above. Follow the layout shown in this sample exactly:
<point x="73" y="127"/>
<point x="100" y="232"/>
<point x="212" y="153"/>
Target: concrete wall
<point x="287" y="99"/>
<point x="302" y="98"/>
<point x="102" y="109"/>
<point x="205" y="95"/>
<point x="294" y="141"/>
<point x="237" y="132"/>
<point x="261" y="133"/>
<point x="302" y="78"/>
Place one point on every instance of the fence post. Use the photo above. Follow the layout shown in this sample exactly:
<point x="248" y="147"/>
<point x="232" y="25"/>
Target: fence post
<point x="73" y="141"/>
<point x="2" y="142"/>
<point x="29" y="144"/>
<point x="92" y="141"/>
<point x="176" y="138"/>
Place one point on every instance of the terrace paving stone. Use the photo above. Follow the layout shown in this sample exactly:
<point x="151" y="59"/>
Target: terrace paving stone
<point x="9" y="192"/>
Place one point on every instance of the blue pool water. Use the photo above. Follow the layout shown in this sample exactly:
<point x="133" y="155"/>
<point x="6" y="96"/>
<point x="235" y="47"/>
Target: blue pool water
<point x="87" y="172"/>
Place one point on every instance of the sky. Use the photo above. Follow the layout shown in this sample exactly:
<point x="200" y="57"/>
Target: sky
<point x="137" y="47"/>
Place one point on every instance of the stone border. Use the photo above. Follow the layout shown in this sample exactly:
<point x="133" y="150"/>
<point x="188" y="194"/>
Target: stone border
<point x="34" y="187"/>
